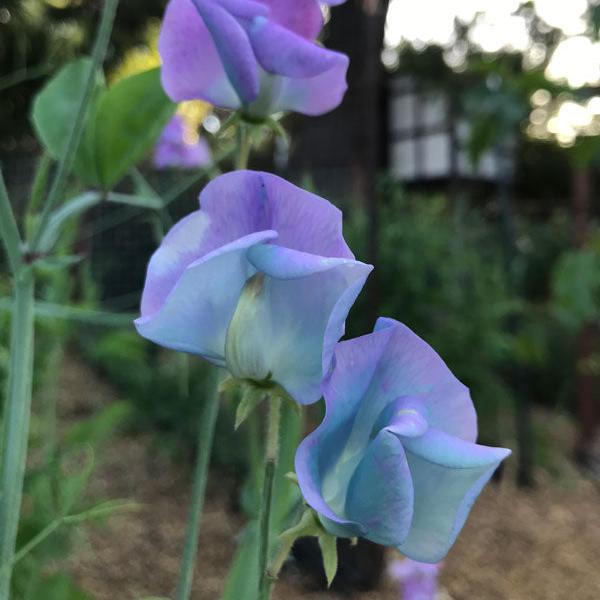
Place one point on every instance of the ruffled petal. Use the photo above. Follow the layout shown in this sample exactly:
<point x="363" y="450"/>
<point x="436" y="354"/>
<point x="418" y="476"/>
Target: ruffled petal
<point x="179" y="248"/>
<point x="280" y="51"/>
<point x="411" y="367"/>
<point x="234" y="48"/>
<point x="188" y="73"/>
<point x="196" y="312"/>
<point x="406" y="416"/>
<point x="315" y="455"/>
<point x="448" y="474"/>
<point x="286" y="323"/>
<point x="316" y="95"/>
<point x="242" y="202"/>
<point x="380" y="494"/>
<point x="319" y="460"/>
<point x="303" y="17"/>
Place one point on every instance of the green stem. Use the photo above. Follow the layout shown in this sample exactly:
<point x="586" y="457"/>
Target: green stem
<point x="206" y="432"/>
<point x="181" y="187"/>
<point x="264" y="517"/>
<point x="23" y="75"/>
<point x="40" y="181"/>
<point x="9" y="230"/>
<point x="33" y="543"/>
<point x="64" y="167"/>
<point x="17" y="413"/>
<point x="244" y="145"/>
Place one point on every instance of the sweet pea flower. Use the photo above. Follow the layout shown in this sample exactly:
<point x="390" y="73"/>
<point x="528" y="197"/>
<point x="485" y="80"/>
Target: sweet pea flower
<point x="180" y="147"/>
<point x="256" y="55"/>
<point x="395" y="459"/>
<point x="418" y="580"/>
<point x="259" y="280"/>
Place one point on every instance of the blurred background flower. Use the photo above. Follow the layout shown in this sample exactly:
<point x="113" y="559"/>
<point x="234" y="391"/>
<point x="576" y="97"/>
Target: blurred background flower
<point x="180" y="146"/>
<point x="416" y="580"/>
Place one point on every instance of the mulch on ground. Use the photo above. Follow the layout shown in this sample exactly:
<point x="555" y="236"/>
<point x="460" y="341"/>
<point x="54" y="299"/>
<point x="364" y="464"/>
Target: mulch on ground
<point x="541" y="544"/>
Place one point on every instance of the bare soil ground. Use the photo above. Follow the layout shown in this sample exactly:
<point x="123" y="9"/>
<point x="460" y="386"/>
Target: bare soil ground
<point x="542" y="544"/>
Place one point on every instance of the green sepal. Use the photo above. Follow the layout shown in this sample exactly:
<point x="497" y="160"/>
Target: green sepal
<point x="291" y="476"/>
<point x="308" y="526"/>
<point x="252" y="393"/>
<point x="251" y="398"/>
<point x="277" y="128"/>
<point x="328" y="545"/>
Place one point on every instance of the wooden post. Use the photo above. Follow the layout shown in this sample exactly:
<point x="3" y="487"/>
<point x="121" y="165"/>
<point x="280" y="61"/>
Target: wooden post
<point x="586" y="409"/>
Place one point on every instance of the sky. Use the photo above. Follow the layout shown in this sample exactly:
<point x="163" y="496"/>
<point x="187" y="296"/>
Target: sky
<point x="503" y="25"/>
<point x="497" y="26"/>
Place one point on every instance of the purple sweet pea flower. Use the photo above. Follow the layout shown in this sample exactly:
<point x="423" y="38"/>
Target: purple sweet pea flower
<point x="394" y="460"/>
<point x="418" y="580"/>
<point x="180" y="148"/>
<point x="258" y="55"/>
<point x="259" y="281"/>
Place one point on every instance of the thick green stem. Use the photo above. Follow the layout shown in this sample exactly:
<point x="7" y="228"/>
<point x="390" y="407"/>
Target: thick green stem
<point x="16" y="418"/>
<point x="206" y="431"/>
<point x="264" y="517"/>
<point x="64" y="166"/>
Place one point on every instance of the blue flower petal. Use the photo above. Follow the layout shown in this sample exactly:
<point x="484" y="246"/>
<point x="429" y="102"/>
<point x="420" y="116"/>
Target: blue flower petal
<point x="282" y="52"/>
<point x="380" y="493"/>
<point x="448" y="474"/>
<point x="196" y="312"/>
<point x="187" y="73"/>
<point x="315" y="95"/>
<point x="243" y="202"/>
<point x="303" y="17"/>
<point x="287" y="322"/>
<point x="234" y="48"/>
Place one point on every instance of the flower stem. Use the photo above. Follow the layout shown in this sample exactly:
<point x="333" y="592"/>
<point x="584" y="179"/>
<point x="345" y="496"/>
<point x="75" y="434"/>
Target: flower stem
<point x="9" y="230"/>
<point x="206" y="430"/>
<point x="244" y="145"/>
<point x="66" y="163"/>
<point x="264" y="518"/>
<point x="17" y="413"/>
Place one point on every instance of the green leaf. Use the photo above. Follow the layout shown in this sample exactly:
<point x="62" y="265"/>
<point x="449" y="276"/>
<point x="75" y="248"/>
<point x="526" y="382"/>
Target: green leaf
<point x="576" y="287"/>
<point x="328" y="545"/>
<point x="74" y="480"/>
<point x="129" y="118"/>
<point x="146" y="201"/>
<point x="98" y="428"/>
<point x="59" y="587"/>
<point x="53" y="111"/>
<point x="242" y="581"/>
<point x="48" y="310"/>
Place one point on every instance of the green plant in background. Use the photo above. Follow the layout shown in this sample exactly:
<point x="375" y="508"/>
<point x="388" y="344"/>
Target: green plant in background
<point x="576" y="286"/>
<point x="440" y="268"/>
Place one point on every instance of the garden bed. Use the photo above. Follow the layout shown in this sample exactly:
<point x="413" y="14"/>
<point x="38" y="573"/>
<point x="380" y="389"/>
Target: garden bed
<point x="517" y="545"/>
